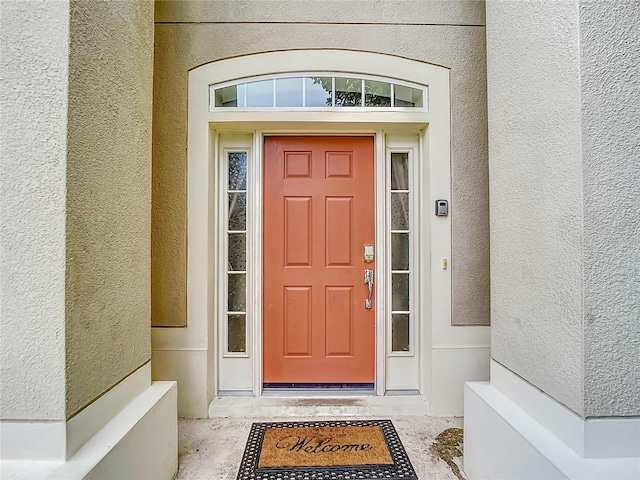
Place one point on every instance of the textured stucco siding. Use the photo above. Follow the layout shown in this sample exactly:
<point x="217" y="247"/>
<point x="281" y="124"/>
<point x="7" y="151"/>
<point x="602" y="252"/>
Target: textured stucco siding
<point x="610" y="83"/>
<point x="108" y="195"/>
<point x="448" y="33"/>
<point x="33" y="100"/>
<point x="431" y="12"/>
<point x="535" y="171"/>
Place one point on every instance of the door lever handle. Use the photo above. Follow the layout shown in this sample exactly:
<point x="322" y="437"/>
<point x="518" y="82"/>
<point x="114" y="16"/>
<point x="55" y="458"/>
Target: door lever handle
<point x="368" y="281"/>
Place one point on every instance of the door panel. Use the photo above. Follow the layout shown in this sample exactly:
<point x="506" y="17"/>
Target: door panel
<point x="297" y="231"/>
<point x="318" y="214"/>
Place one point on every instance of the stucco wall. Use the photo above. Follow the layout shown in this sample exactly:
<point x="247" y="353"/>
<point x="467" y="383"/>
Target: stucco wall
<point x="108" y="195"/>
<point x="564" y="117"/>
<point x="535" y="172"/>
<point x="610" y="83"/>
<point x="33" y="100"/>
<point x="448" y="33"/>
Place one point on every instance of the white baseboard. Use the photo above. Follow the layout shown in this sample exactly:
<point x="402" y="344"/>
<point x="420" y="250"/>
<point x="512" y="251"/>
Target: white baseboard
<point x="190" y="369"/>
<point x="503" y="441"/>
<point x="58" y="441"/>
<point x="141" y="441"/>
<point x="89" y="421"/>
<point x="45" y="441"/>
<point x="591" y="438"/>
<point x="149" y="449"/>
<point x="451" y="368"/>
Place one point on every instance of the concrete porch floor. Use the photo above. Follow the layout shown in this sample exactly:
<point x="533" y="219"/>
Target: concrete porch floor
<point x="212" y="448"/>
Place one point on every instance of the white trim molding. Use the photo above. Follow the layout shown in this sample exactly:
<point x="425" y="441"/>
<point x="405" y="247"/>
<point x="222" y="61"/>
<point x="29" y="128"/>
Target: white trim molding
<point x="60" y="440"/>
<point x="533" y="436"/>
<point x="97" y="441"/>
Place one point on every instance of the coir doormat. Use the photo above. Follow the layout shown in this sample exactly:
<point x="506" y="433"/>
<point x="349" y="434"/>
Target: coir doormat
<point x="329" y="450"/>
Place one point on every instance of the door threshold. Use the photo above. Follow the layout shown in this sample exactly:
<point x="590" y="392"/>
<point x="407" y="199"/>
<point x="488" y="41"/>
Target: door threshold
<point x="311" y="404"/>
<point x="295" y="392"/>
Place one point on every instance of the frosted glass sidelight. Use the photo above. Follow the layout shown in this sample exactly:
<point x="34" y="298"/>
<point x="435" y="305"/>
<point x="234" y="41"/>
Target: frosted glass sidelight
<point x="237" y="292"/>
<point x="289" y="92"/>
<point x="400" y="332"/>
<point x="377" y="94"/>
<point x="399" y="251"/>
<point x="407" y="96"/>
<point x="236" y="333"/>
<point x="399" y="171"/>
<point x="237" y="211"/>
<point x="260" y="94"/>
<point x="399" y="211"/>
<point x="237" y="252"/>
<point x="400" y="292"/>
<point x="237" y="259"/>
<point x="348" y="92"/>
<point x="318" y="91"/>
<point x="238" y="171"/>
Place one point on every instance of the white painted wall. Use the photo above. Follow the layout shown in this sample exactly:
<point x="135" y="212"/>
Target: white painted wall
<point x="34" y="66"/>
<point x="535" y="181"/>
<point x="610" y="84"/>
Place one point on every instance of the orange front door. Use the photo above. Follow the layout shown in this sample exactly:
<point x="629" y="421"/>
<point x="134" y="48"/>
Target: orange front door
<point x="318" y="215"/>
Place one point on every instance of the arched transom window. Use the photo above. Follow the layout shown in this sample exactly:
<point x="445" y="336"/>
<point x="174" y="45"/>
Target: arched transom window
<point x="324" y="90"/>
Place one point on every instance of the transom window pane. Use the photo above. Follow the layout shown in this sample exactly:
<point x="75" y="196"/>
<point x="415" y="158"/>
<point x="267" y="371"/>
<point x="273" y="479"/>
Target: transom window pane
<point x="319" y="92"/>
<point x="260" y="94"/>
<point x="227" y="97"/>
<point x="407" y="97"/>
<point x="377" y="94"/>
<point x="289" y="92"/>
<point x="348" y="92"/>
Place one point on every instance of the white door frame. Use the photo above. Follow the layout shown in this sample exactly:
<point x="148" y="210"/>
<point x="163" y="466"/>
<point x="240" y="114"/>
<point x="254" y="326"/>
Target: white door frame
<point x="199" y="335"/>
<point x="384" y="144"/>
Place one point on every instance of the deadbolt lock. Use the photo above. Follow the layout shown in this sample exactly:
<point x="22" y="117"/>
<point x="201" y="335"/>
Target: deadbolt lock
<point x="368" y="253"/>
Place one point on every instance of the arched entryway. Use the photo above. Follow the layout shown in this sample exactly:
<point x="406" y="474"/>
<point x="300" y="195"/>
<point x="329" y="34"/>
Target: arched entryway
<point x="403" y="107"/>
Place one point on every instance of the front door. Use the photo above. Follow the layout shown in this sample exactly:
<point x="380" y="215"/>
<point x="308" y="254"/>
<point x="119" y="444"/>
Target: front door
<point x="318" y="215"/>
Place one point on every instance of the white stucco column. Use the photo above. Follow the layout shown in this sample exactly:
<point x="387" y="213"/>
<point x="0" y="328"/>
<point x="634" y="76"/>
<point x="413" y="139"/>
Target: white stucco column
<point x="35" y="54"/>
<point x="75" y="377"/>
<point x="564" y="396"/>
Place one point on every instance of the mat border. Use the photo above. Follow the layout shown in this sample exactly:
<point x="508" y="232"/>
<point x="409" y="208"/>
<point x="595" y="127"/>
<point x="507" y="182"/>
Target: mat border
<point x="400" y="470"/>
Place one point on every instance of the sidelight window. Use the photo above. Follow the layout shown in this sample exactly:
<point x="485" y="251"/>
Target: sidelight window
<point x="400" y="253"/>
<point x="236" y="332"/>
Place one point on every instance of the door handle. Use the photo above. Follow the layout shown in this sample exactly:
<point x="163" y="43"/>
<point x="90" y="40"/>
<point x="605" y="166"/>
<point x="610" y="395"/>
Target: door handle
<point x="368" y="281"/>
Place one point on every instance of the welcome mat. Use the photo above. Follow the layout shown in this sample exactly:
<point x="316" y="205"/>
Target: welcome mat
<point x="328" y="450"/>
